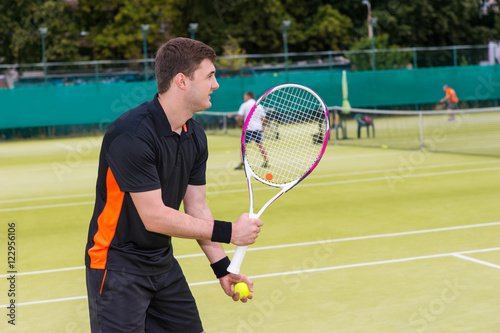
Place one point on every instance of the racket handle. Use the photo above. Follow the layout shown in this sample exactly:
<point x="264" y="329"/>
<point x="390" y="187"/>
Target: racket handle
<point x="237" y="260"/>
<point x="239" y="253"/>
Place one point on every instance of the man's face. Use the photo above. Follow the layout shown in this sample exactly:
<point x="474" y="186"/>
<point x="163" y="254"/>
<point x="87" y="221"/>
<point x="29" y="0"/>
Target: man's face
<point x="201" y="85"/>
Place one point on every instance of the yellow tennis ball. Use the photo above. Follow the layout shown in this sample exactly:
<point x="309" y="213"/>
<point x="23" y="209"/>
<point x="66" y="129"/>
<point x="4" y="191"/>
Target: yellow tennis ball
<point x="384" y="146"/>
<point x="242" y="288"/>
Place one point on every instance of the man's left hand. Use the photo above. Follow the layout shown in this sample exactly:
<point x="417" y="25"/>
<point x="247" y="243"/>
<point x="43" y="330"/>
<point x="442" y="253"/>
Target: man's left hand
<point x="228" y="282"/>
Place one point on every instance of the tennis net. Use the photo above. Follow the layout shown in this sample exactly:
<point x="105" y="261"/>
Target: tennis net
<point x="473" y="131"/>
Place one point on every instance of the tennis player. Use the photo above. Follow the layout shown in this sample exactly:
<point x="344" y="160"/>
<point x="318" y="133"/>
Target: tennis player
<point x="451" y="98"/>
<point x="153" y="157"/>
<point x="255" y="130"/>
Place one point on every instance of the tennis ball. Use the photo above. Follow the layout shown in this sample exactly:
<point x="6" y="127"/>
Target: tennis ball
<point x="384" y="147"/>
<point x="275" y="74"/>
<point x="242" y="288"/>
<point x="269" y="176"/>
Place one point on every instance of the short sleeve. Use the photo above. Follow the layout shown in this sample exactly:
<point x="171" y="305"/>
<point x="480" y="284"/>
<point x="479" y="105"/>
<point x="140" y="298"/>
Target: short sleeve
<point x="241" y="111"/>
<point x="261" y="112"/>
<point x="133" y="163"/>
<point x="198" y="172"/>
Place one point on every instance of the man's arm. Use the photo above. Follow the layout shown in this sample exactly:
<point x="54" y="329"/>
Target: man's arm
<point x="195" y="204"/>
<point x="445" y="98"/>
<point x="239" y="119"/>
<point x="165" y="220"/>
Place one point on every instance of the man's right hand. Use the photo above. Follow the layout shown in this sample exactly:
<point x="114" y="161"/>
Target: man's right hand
<point x="245" y="230"/>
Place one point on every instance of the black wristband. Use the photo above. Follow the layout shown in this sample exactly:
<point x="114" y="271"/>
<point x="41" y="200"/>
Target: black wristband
<point x="220" y="267"/>
<point x="222" y="232"/>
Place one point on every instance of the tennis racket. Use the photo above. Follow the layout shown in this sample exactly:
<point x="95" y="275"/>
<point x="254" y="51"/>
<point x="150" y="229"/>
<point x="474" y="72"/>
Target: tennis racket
<point x="285" y="160"/>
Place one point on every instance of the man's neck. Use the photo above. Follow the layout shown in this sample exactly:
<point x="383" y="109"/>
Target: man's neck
<point x="175" y="111"/>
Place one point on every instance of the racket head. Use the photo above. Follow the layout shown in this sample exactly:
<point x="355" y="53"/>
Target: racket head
<point x="300" y="123"/>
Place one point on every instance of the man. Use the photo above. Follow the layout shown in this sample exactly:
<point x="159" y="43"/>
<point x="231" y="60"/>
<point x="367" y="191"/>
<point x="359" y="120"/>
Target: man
<point x="255" y="129"/>
<point x="153" y="157"/>
<point x="451" y="98"/>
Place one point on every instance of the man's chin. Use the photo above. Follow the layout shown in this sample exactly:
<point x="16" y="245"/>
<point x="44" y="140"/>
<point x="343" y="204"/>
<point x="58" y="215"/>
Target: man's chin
<point x="206" y="107"/>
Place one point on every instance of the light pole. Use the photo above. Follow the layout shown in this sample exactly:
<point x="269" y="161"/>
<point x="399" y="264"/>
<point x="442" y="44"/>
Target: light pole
<point x="369" y="17"/>
<point x="285" y="25"/>
<point x="373" y="21"/>
<point x="43" y="32"/>
<point x="193" y="29"/>
<point x="144" y="31"/>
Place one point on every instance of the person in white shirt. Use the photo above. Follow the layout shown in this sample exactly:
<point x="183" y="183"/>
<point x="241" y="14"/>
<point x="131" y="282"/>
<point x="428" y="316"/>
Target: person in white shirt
<point x="255" y="128"/>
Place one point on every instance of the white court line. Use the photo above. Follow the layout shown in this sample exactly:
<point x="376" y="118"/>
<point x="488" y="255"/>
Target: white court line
<point x="367" y="172"/>
<point x="271" y="247"/>
<point x="312" y="270"/>
<point x="69" y="204"/>
<point x="48" y="301"/>
<point x="352" y="181"/>
<point x="355" y="173"/>
<point x="365" y="264"/>
<point x="31" y="168"/>
<point x="337" y="182"/>
<point x="212" y="184"/>
<point x="482" y="262"/>
<point x="48" y="198"/>
<point x="46" y="271"/>
<point x="345" y="157"/>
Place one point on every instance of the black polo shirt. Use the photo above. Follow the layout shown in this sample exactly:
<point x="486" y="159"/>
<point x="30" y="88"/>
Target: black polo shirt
<point x="141" y="153"/>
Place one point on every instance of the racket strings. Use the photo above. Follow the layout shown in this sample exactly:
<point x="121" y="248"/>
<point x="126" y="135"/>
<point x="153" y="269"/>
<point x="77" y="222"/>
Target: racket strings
<point x="299" y="123"/>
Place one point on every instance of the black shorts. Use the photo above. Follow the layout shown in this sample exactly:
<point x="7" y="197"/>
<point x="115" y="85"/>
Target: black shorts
<point x="253" y="136"/>
<point x="452" y="105"/>
<point x="123" y="302"/>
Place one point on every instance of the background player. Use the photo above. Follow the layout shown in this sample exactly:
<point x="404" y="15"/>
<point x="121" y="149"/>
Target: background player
<point x="451" y="98"/>
<point x="255" y="130"/>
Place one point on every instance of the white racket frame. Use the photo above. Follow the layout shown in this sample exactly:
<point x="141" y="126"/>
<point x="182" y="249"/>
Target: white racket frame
<point x="240" y="251"/>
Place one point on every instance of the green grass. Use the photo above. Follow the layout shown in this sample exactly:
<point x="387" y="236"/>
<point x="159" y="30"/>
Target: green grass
<point x="371" y="273"/>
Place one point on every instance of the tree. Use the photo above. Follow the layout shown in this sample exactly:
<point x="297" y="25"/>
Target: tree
<point x="328" y="29"/>
<point x="433" y="23"/>
<point x="231" y="48"/>
<point x="383" y="60"/>
<point x="113" y="26"/>
<point x="20" y="42"/>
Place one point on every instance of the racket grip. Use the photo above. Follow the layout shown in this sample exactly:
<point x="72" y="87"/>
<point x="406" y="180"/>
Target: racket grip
<point x="237" y="260"/>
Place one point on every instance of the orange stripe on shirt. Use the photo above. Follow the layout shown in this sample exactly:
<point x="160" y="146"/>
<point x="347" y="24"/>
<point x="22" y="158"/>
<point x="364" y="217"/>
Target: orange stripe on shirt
<point x="106" y="223"/>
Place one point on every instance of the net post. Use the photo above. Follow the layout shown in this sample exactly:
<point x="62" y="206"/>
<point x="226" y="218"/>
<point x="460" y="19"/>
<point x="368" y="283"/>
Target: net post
<point x="225" y="124"/>
<point x="335" y="124"/>
<point x="421" y="126"/>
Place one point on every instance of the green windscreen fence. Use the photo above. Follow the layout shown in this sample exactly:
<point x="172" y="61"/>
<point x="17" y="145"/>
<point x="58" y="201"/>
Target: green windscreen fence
<point x="102" y="103"/>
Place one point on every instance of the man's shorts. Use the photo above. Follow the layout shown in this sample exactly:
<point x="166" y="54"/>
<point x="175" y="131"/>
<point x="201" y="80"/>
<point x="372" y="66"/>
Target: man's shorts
<point x="452" y="105"/>
<point x="123" y="302"/>
<point x="253" y="136"/>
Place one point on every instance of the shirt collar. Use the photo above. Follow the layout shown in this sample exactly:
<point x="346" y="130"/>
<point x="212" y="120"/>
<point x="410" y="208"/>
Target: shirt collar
<point x="161" y="122"/>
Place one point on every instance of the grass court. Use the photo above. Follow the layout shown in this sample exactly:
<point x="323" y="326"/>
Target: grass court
<point x="374" y="240"/>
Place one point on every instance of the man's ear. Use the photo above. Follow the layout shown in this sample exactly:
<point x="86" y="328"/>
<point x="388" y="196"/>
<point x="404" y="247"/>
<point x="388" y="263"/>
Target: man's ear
<point x="180" y="80"/>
